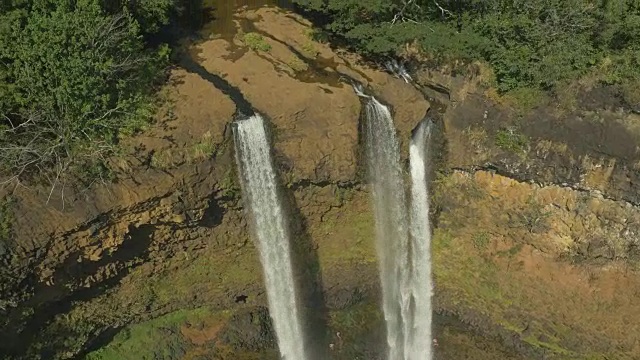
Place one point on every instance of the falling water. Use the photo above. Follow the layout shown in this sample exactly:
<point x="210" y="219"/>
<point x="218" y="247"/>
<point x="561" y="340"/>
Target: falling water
<point x="420" y="283"/>
<point x="398" y="70"/>
<point x="391" y="219"/>
<point x="261" y="193"/>
<point x="403" y="248"/>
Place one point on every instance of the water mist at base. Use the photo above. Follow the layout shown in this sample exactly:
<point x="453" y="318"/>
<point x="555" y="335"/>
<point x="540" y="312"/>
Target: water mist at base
<point x="403" y="250"/>
<point x="260" y="192"/>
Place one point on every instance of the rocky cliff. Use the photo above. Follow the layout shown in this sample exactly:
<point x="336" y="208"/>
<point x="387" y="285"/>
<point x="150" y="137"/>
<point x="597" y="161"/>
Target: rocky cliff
<point x="537" y="218"/>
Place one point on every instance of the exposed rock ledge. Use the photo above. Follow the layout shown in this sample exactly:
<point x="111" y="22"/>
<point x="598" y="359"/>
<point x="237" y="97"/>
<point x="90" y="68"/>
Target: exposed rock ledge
<point x="303" y="87"/>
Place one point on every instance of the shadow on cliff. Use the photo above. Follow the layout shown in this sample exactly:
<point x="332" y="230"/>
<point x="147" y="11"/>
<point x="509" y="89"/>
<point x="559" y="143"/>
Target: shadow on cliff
<point x="24" y="333"/>
<point x="243" y="107"/>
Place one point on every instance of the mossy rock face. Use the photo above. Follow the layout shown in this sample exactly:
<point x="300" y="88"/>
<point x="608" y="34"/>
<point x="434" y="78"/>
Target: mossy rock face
<point x="250" y="330"/>
<point x="355" y="332"/>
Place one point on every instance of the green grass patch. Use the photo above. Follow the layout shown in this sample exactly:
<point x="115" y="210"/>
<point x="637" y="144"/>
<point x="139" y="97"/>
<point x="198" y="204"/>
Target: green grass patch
<point x="163" y="159"/>
<point x="159" y="338"/>
<point x="297" y="65"/>
<point x="203" y="149"/>
<point x="525" y="99"/>
<point x="256" y="42"/>
<point x="352" y="239"/>
<point x="441" y="239"/>
<point x="229" y="184"/>
<point x="511" y="140"/>
<point x="481" y="240"/>
<point x="553" y="347"/>
<point x="360" y="328"/>
<point x="309" y="49"/>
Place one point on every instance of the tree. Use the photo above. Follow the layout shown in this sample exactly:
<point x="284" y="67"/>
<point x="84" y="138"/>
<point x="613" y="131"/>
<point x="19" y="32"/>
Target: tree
<point x="150" y="14"/>
<point x="72" y="80"/>
<point x="529" y="43"/>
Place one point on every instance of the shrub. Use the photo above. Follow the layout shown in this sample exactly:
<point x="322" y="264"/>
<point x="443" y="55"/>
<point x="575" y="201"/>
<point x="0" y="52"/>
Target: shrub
<point x="630" y="92"/>
<point x="297" y="65"/>
<point x="510" y="140"/>
<point x="533" y="44"/>
<point x="73" y="80"/>
<point x="256" y="42"/>
<point x="205" y="148"/>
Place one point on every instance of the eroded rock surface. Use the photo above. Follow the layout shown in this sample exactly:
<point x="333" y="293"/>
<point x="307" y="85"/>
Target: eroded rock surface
<point x="303" y="88"/>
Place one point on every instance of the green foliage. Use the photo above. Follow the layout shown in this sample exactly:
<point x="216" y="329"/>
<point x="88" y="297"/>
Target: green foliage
<point x="358" y="326"/>
<point x="73" y="80"/>
<point x="256" y="42"/>
<point x="630" y="91"/>
<point x="205" y="148"/>
<point x="163" y="159"/>
<point x="6" y="219"/>
<point x="480" y="240"/>
<point x="525" y="98"/>
<point x="229" y="185"/>
<point x="442" y="239"/>
<point x="343" y="194"/>
<point x="297" y="65"/>
<point x="150" y="14"/>
<point x="318" y="35"/>
<point x="529" y="44"/>
<point x="154" y="339"/>
<point x="511" y="140"/>
<point x="309" y="50"/>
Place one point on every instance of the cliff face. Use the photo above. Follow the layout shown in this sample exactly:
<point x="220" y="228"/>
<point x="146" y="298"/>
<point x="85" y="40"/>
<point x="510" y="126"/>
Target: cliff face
<point x="535" y="246"/>
<point x="170" y="233"/>
<point x="538" y="219"/>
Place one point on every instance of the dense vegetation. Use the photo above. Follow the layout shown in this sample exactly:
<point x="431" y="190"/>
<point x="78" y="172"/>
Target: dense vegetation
<point x="75" y="75"/>
<point x="529" y="44"/>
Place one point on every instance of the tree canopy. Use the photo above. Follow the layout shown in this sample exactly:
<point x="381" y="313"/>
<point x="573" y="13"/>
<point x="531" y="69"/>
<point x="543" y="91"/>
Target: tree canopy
<point x="528" y="43"/>
<point x="74" y="76"/>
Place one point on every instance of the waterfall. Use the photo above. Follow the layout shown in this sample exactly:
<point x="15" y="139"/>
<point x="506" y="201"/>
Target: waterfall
<point x="403" y="238"/>
<point x="421" y="284"/>
<point x="398" y="70"/>
<point x="391" y="219"/>
<point x="260" y="191"/>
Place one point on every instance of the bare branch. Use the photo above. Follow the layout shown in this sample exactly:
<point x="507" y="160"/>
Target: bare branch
<point x="401" y="15"/>
<point x="444" y="11"/>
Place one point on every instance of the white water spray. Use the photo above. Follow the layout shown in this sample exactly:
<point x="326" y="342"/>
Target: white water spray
<point x="391" y="219"/>
<point x="419" y="343"/>
<point x="403" y="250"/>
<point x="398" y="70"/>
<point x="259" y="188"/>
<point x="359" y="90"/>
